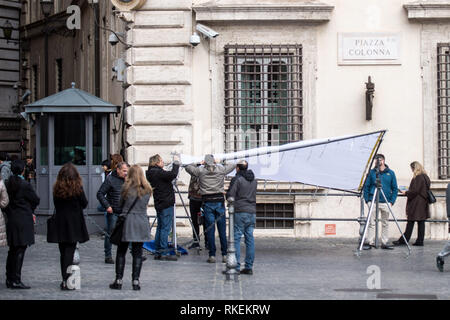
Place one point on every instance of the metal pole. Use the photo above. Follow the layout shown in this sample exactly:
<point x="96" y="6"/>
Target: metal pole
<point x="367" y="223"/>
<point x="231" y="265"/>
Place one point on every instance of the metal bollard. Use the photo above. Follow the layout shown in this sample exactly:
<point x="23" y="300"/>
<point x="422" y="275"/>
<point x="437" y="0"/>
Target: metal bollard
<point x="361" y="220"/>
<point x="231" y="265"/>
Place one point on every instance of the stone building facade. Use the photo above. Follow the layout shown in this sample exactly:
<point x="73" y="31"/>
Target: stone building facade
<point x="179" y="97"/>
<point x="11" y="133"/>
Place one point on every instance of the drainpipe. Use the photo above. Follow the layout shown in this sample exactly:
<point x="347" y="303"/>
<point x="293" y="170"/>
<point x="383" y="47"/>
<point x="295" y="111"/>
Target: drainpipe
<point x="97" y="48"/>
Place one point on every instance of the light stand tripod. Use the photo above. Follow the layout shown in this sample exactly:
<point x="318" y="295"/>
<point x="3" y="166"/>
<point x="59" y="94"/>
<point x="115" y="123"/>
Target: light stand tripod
<point x="376" y="200"/>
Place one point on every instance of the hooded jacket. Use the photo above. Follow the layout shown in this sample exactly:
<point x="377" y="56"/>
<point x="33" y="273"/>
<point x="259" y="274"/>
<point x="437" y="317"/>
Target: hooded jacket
<point x="243" y="189"/>
<point x="388" y="185"/>
<point x="161" y="182"/>
<point x="211" y="178"/>
<point x="109" y="193"/>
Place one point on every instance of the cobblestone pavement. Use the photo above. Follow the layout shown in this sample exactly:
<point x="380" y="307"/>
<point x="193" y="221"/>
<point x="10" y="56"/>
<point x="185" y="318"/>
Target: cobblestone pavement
<point x="285" y="268"/>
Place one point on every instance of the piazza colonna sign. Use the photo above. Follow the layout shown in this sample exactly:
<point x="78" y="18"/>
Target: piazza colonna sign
<point x="368" y="48"/>
<point x="127" y="5"/>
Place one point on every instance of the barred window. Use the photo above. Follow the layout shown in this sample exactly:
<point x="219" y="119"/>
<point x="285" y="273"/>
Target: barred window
<point x="263" y="96"/>
<point x="273" y="215"/>
<point x="443" y="109"/>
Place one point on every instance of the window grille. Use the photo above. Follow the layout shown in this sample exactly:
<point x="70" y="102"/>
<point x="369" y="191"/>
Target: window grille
<point x="267" y="214"/>
<point x="263" y="95"/>
<point x="443" y="109"/>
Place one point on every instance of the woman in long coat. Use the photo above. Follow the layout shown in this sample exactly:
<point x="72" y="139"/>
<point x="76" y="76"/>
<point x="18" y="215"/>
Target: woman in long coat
<point x="69" y="200"/>
<point x="4" y="200"/>
<point x="134" y="198"/>
<point x="20" y="225"/>
<point x="417" y="207"/>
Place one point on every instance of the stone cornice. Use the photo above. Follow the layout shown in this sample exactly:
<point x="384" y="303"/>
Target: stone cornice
<point x="428" y="10"/>
<point x="310" y="12"/>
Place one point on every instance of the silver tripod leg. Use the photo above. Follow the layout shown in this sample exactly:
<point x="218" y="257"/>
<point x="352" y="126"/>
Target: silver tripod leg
<point x="396" y="222"/>
<point x="367" y="221"/>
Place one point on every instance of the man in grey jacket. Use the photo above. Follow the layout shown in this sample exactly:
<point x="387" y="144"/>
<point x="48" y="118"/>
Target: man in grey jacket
<point x="242" y="193"/>
<point x="211" y="180"/>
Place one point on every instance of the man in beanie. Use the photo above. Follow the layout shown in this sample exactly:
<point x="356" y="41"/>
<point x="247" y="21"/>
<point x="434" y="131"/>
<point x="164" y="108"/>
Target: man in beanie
<point x="211" y="179"/>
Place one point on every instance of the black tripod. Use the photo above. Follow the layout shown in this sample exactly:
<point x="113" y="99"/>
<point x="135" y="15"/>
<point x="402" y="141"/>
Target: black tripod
<point x="376" y="200"/>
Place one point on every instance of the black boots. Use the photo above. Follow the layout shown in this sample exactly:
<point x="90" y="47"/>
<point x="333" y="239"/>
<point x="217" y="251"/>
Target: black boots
<point x="137" y="265"/>
<point x="120" y="267"/>
<point x="116" y="285"/>
<point x="14" y="269"/>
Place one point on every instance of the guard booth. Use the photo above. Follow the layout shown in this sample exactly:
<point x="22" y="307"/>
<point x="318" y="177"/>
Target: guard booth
<point x="71" y="126"/>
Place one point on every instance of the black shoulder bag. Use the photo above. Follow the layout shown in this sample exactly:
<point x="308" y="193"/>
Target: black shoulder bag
<point x="430" y="196"/>
<point x="116" y="234"/>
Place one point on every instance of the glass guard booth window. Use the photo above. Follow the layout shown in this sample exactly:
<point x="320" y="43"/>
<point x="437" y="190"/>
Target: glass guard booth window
<point x="70" y="139"/>
<point x="97" y="139"/>
<point x="44" y="140"/>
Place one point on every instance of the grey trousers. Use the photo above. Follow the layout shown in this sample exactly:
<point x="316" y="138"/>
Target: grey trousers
<point x="446" y="251"/>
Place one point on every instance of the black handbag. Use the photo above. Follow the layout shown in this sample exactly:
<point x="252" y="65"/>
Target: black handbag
<point x="430" y="196"/>
<point x="116" y="234"/>
<point x="52" y="234"/>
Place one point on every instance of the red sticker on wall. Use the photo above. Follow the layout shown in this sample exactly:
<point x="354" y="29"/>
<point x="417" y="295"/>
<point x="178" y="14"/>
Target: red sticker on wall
<point x="330" y="229"/>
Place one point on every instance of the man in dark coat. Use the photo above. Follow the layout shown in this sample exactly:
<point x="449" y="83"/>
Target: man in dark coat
<point x="446" y="251"/>
<point x="164" y="197"/>
<point x="109" y="197"/>
<point x="242" y="192"/>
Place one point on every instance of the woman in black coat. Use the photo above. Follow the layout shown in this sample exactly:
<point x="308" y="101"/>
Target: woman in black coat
<point x="20" y="225"/>
<point x="69" y="200"/>
<point x="417" y="207"/>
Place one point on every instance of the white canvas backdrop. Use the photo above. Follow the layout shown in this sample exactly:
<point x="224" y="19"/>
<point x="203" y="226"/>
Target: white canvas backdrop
<point x="335" y="163"/>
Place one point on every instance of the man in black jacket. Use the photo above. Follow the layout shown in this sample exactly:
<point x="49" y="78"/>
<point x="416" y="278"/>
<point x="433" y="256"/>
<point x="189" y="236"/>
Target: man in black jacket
<point x="164" y="197"/>
<point x="109" y="196"/>
<point x="243" y="191"/>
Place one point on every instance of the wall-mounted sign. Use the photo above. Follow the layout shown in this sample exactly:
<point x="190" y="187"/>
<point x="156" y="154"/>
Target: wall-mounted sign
<point x="368" y="48"/>
<point x="330" y="229"/>
<point x="127" y="5"/>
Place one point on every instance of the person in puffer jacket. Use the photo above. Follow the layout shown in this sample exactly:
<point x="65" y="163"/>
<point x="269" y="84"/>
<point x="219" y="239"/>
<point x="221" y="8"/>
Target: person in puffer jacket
<point x="109" y="197"/>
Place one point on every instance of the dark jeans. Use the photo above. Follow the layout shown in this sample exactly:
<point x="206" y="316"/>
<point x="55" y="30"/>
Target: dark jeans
<point x="215" y="213"/>
<point x="420" y="231"/>
<point x="14" y="262"/>
<point x="195" y="210"/>
<point x="165" y="220"/>
<point x="110" y="222"/>
<point x="136" y="252"/>
<point x="66" y="251"/>
<point x="244" y="224"/>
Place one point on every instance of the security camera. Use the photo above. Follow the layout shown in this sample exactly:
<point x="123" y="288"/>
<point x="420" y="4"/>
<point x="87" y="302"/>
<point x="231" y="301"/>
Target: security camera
<point x="194" y="40"/>
<point x="26" y="95"/>
<point x="113" y="40"/>
<point x="206" y="31"/>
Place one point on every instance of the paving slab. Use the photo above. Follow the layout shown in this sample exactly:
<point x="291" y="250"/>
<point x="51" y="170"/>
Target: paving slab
<point x="285" y="269"/>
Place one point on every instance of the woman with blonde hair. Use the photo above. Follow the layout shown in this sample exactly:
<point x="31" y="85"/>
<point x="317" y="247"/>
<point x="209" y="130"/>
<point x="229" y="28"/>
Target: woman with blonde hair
<point x="134" y="198"/>
<point x="417" y="207"/>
